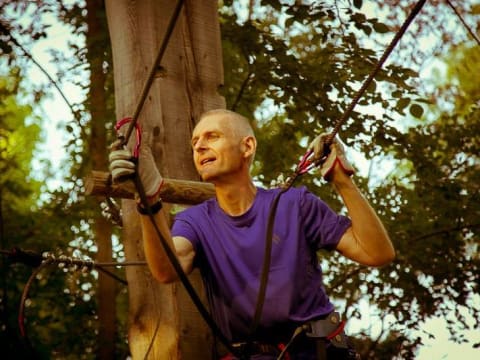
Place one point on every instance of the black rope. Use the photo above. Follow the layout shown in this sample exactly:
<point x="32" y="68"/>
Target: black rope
<point x="328" y="141"/>
<point x="469" y="29"/>
<point x="23" y="300"/>
<point x="153" y="69"/>
<point x="267" y="259"/>
<point x="143" y="198"/>
<point x="374" y="72"/>
<point x="40" y="262"/>
<point x="179" y="270"/>
<point x="5" y="29"/>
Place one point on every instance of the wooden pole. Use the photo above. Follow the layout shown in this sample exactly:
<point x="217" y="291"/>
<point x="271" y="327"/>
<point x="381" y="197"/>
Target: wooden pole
<point x="163" y="320"/>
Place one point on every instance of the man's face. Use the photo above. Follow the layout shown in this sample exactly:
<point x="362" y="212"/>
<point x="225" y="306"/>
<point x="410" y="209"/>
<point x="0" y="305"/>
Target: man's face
<point x="217" y="151"/>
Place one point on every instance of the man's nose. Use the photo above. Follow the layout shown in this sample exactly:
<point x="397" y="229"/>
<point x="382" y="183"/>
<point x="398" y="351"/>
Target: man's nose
<point x="199" y="145"/>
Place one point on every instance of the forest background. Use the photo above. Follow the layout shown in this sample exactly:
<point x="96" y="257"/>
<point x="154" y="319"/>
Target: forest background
<point x="293" y="68"/>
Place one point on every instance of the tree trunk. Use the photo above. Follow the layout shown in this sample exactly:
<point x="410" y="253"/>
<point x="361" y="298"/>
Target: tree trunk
<point x="96" y="42"/>
<point x="186" y="84"/>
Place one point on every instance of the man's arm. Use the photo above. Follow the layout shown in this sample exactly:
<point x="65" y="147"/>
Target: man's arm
<point x="136" y="158"/>
<point x="366" y="241"/>
<point x="157" y="260"/>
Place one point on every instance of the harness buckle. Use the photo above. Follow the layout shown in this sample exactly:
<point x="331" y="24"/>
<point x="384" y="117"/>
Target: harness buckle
<point x="330" y="328"/>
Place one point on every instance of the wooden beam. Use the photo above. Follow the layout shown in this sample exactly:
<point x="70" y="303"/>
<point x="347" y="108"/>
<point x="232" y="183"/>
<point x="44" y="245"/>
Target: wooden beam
<point x="173" y="191"/>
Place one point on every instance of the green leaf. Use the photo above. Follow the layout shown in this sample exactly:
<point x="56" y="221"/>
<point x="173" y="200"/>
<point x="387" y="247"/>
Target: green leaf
<point x="416" y="110"/>
<point x="381" y="28"/>
<point x="475" y="9"/>
<point x="357" y="3"/>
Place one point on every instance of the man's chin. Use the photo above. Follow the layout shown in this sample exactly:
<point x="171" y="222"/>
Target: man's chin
<point x="206" y="176"/>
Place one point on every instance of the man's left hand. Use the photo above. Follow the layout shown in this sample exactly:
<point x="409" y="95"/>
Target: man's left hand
<point x="329" y="156"/>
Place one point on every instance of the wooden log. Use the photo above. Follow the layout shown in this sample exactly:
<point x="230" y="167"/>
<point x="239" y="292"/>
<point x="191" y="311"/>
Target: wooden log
<point x="173" y="191"/>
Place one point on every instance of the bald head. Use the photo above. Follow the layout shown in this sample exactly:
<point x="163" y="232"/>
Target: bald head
<point x="238" y="124"/>
<point x="230" y="125"/>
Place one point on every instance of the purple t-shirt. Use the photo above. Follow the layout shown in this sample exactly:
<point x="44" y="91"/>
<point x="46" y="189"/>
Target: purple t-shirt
<point x="229" y="250"/>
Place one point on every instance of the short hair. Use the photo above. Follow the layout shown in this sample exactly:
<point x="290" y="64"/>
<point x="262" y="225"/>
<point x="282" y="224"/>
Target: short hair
<point x="242" y="124"/>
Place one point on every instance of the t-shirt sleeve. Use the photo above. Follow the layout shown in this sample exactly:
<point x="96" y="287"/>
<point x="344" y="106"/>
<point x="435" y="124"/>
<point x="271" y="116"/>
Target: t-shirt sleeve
<point x="182" y="226"/>
<point x="323" y="226"/>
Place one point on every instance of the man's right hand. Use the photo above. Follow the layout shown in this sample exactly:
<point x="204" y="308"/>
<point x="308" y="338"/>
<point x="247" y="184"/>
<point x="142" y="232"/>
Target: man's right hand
<point x="126" y="160"/>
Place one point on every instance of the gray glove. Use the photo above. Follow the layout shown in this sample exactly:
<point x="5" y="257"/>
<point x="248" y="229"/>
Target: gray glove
<point x="125" y="161"/>
<point x="329" y="157"/>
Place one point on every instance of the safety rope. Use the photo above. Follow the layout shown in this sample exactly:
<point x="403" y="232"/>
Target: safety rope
<point x="305" y="165"/>
<point x="143" y="198"/>
<point x="464" y="23"/>
<point x="375" y="70"/>
<point x="154" y="68"/>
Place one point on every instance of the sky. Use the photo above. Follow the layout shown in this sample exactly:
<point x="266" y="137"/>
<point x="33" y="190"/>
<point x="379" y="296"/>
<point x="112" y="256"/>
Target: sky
<point x="57" y="113"/>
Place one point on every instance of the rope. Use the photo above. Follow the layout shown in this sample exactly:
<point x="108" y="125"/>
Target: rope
<point x="305" y="164"/>
<point x="26" y="289"/>
<point x="143" y="198"/>
<point x="40" y="262"/>
<point x="5" y="29"/>
<point x="374" y="72"/>
<point x="469" y="29"/>
<point x="181" y="274"/>
<point x="153" y="69"/>
<point x="267" y="259"/>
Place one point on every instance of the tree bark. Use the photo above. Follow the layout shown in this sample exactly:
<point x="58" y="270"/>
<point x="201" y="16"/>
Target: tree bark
<point x="186" y="84"/>
<point x="97" y="42"/>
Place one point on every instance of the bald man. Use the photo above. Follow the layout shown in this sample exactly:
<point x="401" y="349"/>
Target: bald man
<point x="225" y="238"/>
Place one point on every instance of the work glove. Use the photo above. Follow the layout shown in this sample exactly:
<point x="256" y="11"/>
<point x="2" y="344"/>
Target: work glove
<point x="134" y="157"/>
<point x="328" y="156"/>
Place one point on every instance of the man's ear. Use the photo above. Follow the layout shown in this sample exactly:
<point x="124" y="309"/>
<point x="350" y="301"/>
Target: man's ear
<point x="249" y="146"/>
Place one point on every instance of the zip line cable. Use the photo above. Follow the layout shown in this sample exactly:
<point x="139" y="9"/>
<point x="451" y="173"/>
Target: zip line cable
<point x="375" y="71"/>
<point x="153" y="69"/>
<point x="40" y="262"/>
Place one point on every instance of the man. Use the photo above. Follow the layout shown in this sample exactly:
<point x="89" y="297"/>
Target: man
<point x="225" y="236"/>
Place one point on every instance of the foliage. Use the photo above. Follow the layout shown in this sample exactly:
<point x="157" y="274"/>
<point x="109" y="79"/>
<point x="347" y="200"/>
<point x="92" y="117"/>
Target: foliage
<point x="48" y="313"/>
<point x="294" y="69"/>
<point x="62" y="221"/>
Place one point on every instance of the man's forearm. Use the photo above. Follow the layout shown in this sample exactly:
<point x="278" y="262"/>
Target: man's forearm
<point x="368" y="230"/>
<point x="158" y="261"/>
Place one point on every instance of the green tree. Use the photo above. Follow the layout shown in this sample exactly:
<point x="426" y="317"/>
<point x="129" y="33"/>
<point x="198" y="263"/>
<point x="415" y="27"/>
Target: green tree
<point x="18" y="192"/>
<point x="295" y="74"/>
<point x="71" y="217"/>
<point x="294" y="67"/>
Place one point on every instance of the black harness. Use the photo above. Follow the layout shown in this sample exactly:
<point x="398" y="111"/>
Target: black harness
<point x="326" y="336"/>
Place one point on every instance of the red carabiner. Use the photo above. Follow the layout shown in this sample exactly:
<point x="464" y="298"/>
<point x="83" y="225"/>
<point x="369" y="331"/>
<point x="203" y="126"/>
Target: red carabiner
<point x="138" y="134"/>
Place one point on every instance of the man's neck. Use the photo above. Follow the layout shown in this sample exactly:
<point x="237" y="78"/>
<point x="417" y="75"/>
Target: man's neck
<point x="235" y="199"/>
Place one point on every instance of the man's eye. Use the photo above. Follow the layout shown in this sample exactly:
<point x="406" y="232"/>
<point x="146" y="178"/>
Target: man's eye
<point x="212" y="137"/>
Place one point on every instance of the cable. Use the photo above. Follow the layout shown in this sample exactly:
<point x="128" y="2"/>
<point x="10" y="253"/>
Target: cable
<point x="474" y="36"/>
<point x="23" y="299"/>
<point x="6" y="30"/>
<point x="179" y="270"/>
<point x="143" y="198"/>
